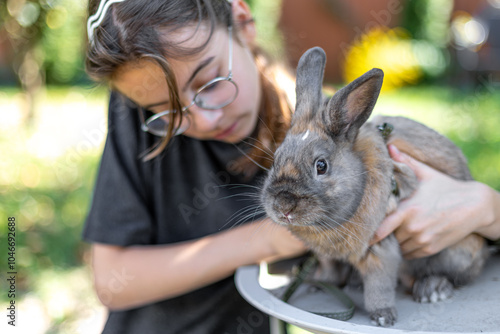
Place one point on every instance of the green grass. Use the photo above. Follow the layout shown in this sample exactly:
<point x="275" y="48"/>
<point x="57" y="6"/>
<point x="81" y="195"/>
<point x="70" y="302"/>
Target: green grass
<point x="296" y="330"/>
<point x="471" y="119"/>
<point x="47" y="173"/>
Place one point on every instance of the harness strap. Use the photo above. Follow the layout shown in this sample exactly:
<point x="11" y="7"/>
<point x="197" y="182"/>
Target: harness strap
<point x="386" y="130"/>
<point x="300" y="278"/>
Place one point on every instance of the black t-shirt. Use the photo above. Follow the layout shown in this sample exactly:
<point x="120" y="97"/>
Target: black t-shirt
<point x="184" y="194"/>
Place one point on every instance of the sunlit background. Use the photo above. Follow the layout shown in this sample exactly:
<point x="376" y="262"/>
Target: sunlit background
<point x="441" y="60"/>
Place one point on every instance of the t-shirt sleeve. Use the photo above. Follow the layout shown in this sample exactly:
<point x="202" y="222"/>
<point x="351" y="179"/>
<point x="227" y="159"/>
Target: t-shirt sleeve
<point x="119" y="213"/>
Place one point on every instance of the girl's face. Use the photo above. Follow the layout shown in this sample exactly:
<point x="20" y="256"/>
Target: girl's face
<point x="144" y="83"/>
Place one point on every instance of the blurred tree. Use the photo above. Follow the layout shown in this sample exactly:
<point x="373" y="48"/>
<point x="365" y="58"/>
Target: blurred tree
<point x="23" y="22"/>
<point x="47" y="39"/>
<point x="63" y="42"/>
<point x="428" y="22"/>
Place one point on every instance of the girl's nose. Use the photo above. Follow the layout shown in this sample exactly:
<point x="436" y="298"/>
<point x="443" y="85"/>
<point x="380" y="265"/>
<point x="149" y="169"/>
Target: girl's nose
<point x="203" y="120"/>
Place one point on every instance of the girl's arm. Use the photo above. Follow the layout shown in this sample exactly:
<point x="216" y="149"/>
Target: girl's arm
<point x="127" y="277"/>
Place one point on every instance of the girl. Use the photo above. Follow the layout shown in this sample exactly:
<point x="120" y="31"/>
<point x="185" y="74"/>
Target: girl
<point x="169" y="224"/>
<point x="166" y="224"/>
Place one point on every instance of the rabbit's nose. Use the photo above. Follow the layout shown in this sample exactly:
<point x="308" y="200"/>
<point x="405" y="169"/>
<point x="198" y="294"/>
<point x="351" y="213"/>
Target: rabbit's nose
<point x="286" y="203"/>
<point x="287" y="196"/>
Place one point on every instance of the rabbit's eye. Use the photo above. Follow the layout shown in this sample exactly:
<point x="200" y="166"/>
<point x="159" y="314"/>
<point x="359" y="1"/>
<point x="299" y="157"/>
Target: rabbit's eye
<point x="321" y="166"/>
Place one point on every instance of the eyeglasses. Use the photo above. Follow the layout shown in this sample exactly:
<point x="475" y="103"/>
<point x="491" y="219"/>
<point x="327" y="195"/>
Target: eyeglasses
<point x="215" y="94"/>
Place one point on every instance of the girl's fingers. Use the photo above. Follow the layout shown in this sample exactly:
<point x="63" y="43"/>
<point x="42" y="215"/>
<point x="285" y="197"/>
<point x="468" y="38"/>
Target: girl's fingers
<point x="388" y="225"/>
<point x="421" y="170"/>
<point x="409" y="246"/>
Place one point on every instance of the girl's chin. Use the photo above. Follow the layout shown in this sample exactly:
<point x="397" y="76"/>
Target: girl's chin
<point x="243" y="130"/>
<point x="243" y="134"/>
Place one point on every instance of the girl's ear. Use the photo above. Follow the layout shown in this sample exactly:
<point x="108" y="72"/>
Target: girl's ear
<point x="243" y="19"/>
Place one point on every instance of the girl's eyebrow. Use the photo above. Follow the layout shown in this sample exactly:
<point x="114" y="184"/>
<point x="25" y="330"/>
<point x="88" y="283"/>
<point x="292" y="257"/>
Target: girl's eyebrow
<point x="198" y="69"/>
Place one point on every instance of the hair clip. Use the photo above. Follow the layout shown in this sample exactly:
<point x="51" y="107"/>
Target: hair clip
<point x="95" y="20"/>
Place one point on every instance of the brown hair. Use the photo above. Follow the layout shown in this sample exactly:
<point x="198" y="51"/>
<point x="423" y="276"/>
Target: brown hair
<point x="132" y="30"/>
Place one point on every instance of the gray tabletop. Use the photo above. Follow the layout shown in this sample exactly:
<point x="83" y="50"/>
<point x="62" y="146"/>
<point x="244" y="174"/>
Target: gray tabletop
<point x="472" y="309"/>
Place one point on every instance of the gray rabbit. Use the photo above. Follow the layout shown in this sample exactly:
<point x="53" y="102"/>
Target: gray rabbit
<point x="333" y="182"/>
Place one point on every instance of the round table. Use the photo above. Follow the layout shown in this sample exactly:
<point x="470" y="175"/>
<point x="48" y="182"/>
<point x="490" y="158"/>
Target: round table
<point x="472" y="309"/>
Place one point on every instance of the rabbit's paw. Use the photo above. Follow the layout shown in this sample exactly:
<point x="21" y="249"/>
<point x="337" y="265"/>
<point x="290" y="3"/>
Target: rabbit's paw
<point x="384" y="317"/>
<point x="432" y="289"/>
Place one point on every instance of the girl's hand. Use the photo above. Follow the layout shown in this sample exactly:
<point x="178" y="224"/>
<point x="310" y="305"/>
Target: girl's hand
<point x="441" y="212"/>
<point x="280" y="242"/>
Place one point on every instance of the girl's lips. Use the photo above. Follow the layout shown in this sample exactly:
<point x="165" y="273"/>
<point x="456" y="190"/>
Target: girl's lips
<point x="226" y="132"/>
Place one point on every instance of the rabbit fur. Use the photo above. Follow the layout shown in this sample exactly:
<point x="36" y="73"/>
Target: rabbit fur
<point x="331" y="185"/>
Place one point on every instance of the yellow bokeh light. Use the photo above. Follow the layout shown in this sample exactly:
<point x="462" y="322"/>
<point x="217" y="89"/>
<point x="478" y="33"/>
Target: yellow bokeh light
<point x="388" y="49"/>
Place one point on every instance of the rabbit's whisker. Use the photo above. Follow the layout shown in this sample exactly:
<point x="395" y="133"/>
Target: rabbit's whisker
<point x="267" y="224"/>
<point x="358" y="224"/>
<point x="355" y="234"/>
<point x="239" y="185"/>
<point x="264" y="148"/>
<point x="270" y="133"/>
<point x="266" y="151"/>
<point x="249" y="216"/>
<point x="326" y="232"/>
<point x="249" y="196"/>
<point x="241" y="215"/>
<point x="340" y="233"/>
<point x="343" y="229"/>
<point x="252" y="160"/>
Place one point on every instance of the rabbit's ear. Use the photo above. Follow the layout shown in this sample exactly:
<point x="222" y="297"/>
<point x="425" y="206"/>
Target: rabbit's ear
<point x="352" y="105"/>
<point x="309" y="84"/>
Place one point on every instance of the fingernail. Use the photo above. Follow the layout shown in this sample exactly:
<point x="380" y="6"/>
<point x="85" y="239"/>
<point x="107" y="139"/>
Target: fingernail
<point x="394" y="149"/>
<point x="394" y="152"/>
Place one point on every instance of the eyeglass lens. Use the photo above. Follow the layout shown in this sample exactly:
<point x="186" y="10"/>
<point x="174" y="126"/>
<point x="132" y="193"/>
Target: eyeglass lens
<point x="216" y="95"/>
<point x="159" y="126"/>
